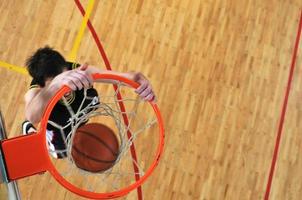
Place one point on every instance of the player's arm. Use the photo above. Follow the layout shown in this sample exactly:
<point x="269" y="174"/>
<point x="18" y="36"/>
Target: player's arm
<point x="145" y="90"/>
<point x="36" y="99"/>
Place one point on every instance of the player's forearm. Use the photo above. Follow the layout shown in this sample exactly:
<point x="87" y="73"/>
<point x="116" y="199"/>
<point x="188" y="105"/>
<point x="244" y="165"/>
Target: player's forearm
<point x="35" y="109"/>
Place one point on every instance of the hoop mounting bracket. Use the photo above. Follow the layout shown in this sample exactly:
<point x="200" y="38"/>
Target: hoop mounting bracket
<point x="25" y="156"/>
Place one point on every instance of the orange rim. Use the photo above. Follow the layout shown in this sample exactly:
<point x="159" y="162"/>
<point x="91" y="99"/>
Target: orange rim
<point x="117" y="193"/>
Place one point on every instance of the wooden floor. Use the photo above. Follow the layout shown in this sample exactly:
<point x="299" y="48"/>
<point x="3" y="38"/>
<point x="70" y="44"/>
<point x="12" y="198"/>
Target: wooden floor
<point x="220" y="70"/>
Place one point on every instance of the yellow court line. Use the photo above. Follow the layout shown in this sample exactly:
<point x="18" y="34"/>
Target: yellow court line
<point x="15" y="68"/>
<point x="75" y="48"/>
<point x="76" y="44"/>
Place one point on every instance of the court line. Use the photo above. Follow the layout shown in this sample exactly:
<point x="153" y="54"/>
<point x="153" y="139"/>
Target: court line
<point x="21" y="70"/>
<point x="73" y="54"/>
<point x="95" y="37"/>
<point x="283" y="113"/>
<point x="108" y="66"/>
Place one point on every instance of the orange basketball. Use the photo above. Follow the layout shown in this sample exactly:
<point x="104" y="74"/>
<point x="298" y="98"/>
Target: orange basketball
<point x="95" y="147"/>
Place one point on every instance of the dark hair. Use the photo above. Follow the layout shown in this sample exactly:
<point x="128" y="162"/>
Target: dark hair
<point x="45" y="63"/>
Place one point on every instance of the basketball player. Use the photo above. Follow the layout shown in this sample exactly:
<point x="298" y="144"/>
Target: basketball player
<point x="50" y="72"/>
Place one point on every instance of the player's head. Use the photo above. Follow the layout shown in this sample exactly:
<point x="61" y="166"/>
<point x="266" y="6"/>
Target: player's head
<point x="45" y="63"/>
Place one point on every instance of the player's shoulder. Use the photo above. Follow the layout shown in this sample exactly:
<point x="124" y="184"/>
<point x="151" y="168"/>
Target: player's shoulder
<point x="31" y="93"/>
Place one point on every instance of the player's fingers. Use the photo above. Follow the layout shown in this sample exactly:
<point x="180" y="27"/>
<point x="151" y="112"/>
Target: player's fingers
<point x="146" y="91"/>
<point x="154" y="99"/>
<point x="70" y="84"/>
<point x="149" y="97"/>
<point x="142" y="87"/>
<point x="83" y="78"/>
<point x="83" y="67"/>
<point x="86" y="75"/>
<point x="76" y="81"/>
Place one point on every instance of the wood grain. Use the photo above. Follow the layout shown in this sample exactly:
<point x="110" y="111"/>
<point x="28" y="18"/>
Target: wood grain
<point x="219" y="68"/>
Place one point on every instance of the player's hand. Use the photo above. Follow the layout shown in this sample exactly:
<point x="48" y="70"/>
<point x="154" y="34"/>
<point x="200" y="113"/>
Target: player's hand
<point x="145" y="90"/>
<point x="75" y="79"/>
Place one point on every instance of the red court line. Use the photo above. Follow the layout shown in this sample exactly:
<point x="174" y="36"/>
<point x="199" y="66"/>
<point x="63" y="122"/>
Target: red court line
<point x="284" y="108"/>
<point x="125" y="118"/>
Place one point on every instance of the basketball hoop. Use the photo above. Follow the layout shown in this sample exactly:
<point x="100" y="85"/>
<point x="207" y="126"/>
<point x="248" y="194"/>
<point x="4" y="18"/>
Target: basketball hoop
<point x="137" y="124"/>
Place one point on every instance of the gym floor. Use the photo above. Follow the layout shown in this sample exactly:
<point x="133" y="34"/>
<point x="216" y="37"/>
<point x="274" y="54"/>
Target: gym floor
<point x="228" y="77"/>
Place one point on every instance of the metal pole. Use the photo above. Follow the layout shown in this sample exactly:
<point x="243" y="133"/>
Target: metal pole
<point x="13" y="191"/>
<point x="12" y="186"/>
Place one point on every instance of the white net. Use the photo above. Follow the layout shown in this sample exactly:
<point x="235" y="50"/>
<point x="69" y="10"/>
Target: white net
<point x="135" y="126"/>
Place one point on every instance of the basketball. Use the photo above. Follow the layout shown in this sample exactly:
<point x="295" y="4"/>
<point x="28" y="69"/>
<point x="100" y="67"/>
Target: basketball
<point x="95" y="147"/>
